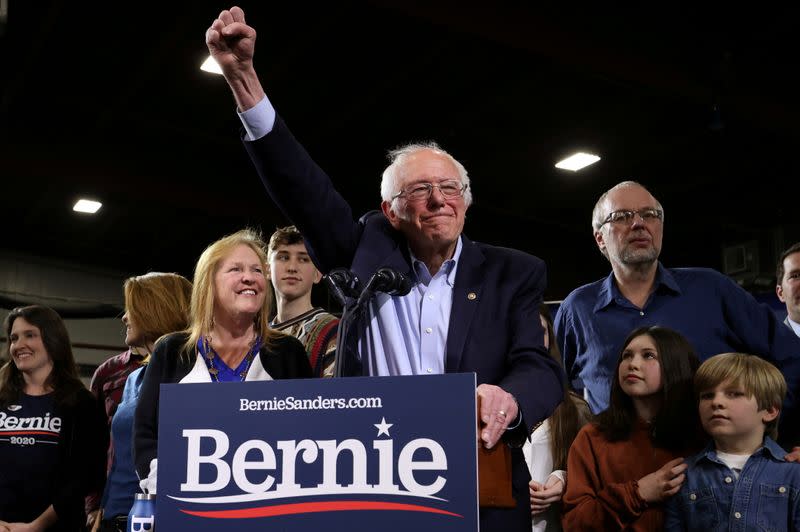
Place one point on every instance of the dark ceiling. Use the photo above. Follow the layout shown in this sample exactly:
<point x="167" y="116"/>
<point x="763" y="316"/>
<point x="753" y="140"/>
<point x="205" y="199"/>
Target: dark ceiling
<point x="105" y="99"/>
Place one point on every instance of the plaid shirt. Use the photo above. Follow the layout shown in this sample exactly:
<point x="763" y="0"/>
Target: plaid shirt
<point x="109" y="379"/>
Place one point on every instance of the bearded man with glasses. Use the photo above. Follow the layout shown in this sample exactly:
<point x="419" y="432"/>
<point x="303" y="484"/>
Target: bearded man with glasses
<point x="472" y="307"/>
<point x="714" y="313"/>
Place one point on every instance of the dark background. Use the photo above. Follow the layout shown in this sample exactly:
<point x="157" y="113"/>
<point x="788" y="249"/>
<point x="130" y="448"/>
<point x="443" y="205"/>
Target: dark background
<point x="700" y="105"/>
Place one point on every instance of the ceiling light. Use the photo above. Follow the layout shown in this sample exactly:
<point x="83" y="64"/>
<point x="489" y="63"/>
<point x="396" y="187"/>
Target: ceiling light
<point x="211" y="65"/>
<point x="87" y="206"/>
<point x="577" y="161"/>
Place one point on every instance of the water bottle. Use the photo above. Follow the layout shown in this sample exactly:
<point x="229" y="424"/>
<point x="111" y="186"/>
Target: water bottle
<point x="142" y="517"/>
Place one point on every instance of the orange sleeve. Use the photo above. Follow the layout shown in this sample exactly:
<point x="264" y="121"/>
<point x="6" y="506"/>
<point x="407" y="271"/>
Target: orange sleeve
<point x="590" y="502"/>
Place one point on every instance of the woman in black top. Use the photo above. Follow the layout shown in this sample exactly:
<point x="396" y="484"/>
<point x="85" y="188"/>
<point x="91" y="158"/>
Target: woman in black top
<point x="53" y="436"/>
<point x="229" y="339"/>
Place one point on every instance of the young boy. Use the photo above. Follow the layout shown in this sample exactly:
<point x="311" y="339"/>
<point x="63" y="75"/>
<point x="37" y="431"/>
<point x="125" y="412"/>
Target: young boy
<point x="741" y="480"/>
<point x="293" y="275"/>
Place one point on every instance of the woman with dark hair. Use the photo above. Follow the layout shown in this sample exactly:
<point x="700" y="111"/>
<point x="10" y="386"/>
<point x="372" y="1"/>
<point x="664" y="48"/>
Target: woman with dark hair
<point x="621" y="468"/>
<point x="155" y="304"/>
<point x="53" y="436"/>
<point x="546" y="452"/>
<point x="228" y="339"/>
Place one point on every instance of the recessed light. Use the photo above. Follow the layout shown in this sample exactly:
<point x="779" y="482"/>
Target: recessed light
<point x="87" y="206"/>
<point x="577" y="161"/>
<point x="211" y="65"/>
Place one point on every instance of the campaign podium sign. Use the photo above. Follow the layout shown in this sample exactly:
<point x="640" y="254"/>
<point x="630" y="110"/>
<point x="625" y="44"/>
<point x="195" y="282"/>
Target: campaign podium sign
<point x="360" y="453"/>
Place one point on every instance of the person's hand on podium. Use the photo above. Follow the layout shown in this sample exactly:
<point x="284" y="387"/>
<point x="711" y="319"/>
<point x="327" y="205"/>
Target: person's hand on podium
<point x="498" y="409"/>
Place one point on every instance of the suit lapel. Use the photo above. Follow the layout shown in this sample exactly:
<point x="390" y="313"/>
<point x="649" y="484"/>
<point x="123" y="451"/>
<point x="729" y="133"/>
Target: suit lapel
<point x="467" y="292"/>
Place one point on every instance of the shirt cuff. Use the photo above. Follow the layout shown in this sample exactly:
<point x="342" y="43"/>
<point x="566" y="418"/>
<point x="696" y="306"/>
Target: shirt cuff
<point x="561" y="475"/>
<point x="519" y="419"/>
<point x="259" y="120"/>
<point x="638" y="504"/>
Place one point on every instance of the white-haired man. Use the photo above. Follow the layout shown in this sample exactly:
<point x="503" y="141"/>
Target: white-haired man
<point x="472" y="308"/>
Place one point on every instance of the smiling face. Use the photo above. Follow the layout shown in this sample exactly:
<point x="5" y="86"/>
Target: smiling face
<point x="640" y="370"/>
<point x="27" y="349"/>
<point x="428" y="224"/>
<point x="634" y="242"/>
<point x="239" y="284"/>
<point x="291" y="271"/>
<point x="732" y="417"/>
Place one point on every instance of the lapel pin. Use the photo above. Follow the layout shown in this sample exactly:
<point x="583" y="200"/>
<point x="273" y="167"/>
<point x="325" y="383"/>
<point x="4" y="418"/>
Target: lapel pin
<point x="472" y="296"/>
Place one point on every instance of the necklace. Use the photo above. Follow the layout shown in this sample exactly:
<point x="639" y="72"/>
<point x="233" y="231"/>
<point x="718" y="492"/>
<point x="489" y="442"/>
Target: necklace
<point x="210" y="356"/>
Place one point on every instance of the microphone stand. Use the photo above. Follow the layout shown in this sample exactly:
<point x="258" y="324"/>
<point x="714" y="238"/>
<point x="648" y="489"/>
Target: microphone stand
<point x="346" y="289"/>
<point x="343" y="356"/>
<point x="385" y="280"/>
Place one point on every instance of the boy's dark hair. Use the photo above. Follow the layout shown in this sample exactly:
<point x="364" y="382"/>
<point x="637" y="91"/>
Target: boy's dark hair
<point x="284" y="236"/>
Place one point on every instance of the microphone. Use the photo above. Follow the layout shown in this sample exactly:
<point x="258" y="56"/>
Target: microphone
<point x="387" y="281"/>
<point x="343" y="284"/>
<point x="390" y="282"/>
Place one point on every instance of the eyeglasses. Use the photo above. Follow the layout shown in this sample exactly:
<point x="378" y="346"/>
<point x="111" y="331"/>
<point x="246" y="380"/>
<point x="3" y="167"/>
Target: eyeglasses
<point x="648" y="215"/>
<point x="452" y="188"/>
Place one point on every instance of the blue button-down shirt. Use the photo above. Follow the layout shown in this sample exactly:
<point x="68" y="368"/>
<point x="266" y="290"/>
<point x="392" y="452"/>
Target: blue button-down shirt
<point x="709" y="309"/>
<point x="407" y="335"/>
<point x="766" y="496"/>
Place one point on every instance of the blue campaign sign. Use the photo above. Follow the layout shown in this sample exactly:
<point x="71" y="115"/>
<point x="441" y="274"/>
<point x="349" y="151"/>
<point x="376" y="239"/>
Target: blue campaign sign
<point x="361" y="453"/>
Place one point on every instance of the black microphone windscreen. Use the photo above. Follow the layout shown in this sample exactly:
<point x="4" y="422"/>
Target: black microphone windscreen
<point x="343" y="284"/>
<point x="392" y="282"/>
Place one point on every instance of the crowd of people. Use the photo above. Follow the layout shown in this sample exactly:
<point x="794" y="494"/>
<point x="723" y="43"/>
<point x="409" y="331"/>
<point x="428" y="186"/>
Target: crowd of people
<point x="653" y="399"/>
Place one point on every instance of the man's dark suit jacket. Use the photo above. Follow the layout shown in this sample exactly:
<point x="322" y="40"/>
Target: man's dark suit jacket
<point x="494" y="326"/>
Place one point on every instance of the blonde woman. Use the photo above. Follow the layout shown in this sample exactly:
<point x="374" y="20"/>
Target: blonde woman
<point x="228" y="340"/>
